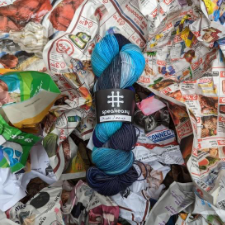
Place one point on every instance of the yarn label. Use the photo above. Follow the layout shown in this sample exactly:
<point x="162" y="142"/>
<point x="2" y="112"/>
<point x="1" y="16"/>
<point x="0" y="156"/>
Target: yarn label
<point x="114" y="105"/>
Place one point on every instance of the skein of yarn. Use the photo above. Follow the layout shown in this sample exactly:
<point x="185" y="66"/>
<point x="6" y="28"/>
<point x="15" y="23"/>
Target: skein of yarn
<point x="118" y="64"/>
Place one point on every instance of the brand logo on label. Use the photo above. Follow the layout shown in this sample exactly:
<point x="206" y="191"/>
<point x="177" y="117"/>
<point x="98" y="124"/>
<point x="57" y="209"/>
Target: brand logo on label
<point x="161" y="136"/>
<point x="114" y="105"/>
<point x="115" y="99"/>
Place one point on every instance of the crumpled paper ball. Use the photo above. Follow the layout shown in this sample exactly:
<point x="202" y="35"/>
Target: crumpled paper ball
<point x="31" y="39"/>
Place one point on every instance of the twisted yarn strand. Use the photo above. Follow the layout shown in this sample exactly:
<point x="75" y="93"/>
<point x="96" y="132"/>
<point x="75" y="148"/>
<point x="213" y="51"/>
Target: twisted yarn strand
<point x="118" y="64"/>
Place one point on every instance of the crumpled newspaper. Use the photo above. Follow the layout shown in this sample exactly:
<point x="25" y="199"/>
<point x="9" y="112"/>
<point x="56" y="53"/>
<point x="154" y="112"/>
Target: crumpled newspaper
<point x="185" y="66"/>
<point x="134" y="202"/>
<point x="197" y="219"/>
<point x="86" y="206"/>
<point x="43" y="208"/>
<point x="32" y="38"/>
<point x="181" y="197"/>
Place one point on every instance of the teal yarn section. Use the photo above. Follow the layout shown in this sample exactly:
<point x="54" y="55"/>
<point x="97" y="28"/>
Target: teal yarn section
<point x="103" y="54"/>
<point x="111" y="161"/>
<point x="104" y="131"/>
<point x="133" y="64"/>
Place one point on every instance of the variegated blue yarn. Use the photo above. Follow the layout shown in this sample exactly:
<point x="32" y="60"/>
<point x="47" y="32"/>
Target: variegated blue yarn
<point x="103" y="54"/>
<point x="111" y="161"/>
<point x="116" y="139"/>
<point x="118" y="64"/>
<point x="130" y="59"/>
<point x="104" y="131"/>
<point x="115" y="69"/>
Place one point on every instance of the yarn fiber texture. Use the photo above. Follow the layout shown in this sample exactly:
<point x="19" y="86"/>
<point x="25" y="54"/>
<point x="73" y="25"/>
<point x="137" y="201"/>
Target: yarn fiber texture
<point x="118" y="64"/>
<point x="110" y="185"/>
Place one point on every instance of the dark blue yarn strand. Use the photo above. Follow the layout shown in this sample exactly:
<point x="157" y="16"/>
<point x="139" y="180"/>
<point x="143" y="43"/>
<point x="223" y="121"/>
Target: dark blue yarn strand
<point x="97" y="143"/>
<point x="121" y="40"/>
<point x="131" y="88"/>
<point x="110" y="185"/>
<point x="117" y="141"/>
<point x="113" y="81"/>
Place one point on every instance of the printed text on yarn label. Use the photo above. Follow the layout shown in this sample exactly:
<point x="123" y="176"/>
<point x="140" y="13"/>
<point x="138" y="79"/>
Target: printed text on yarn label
<point x="115" y="118"/>
<point x="114" y="105"/>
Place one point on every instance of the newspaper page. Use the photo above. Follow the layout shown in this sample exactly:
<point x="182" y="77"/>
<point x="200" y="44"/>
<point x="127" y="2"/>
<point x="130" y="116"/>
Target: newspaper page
<point x="203" y="99"/>
<point x="92" y="20"/>
<point x="185" y="66"/>
<point x="184" y="197"/>
<point x="126" y="16"/>
<point x="177" y="198"/>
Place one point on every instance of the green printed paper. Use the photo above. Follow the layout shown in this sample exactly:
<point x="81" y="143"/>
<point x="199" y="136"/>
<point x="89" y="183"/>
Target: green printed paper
<point x="15" y="146"/>
<point x="27" y="84"/>
<point x="26" y="97"/>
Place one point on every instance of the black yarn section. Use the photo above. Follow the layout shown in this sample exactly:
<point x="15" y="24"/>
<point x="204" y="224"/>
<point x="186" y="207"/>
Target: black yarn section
<point x="121" y="40"/>
<point x="111" y="76"/>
